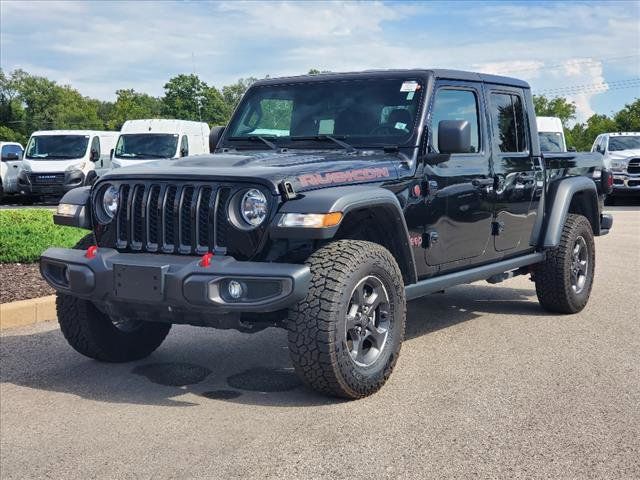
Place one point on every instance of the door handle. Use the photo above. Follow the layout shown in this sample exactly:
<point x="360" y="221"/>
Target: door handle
<point x="482" y="182"/>
<point x="525" y="178"/>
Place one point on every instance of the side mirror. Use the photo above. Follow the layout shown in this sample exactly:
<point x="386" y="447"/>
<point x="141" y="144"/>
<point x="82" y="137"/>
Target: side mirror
<point x="183" y="153"/>
<point x="454" y="136"/>
<point x="571" y="149"/>
<point x="11" y="156"/>
<point x="111" y="154"/>
<point x="94" y="156"/>
<point x="214" y="137"/>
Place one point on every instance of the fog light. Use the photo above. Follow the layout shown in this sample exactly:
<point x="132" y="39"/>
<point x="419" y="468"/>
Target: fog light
<point x="235" y="289"/>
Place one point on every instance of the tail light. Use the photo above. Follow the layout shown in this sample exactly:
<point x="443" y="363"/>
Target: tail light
<point x="607" y="181"/>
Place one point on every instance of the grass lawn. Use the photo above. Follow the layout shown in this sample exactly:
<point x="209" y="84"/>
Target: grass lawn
<point x="26" y="233"/>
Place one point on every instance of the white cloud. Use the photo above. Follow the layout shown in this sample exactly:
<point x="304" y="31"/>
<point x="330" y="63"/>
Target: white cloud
<point x="102" y="46"/>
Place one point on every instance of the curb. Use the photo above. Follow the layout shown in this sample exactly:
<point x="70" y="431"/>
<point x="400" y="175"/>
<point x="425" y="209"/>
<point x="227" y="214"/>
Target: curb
<point x="27" y="312"/>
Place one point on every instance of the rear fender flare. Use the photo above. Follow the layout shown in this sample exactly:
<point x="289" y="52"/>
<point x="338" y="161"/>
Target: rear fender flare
<point x="560" y="195"/>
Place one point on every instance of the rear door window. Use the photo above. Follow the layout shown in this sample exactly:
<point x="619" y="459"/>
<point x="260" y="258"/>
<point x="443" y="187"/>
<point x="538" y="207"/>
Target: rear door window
<point x="507" y="117"/>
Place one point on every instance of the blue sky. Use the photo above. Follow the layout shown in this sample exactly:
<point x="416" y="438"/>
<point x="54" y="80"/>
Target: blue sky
<point x="101" y="46"/>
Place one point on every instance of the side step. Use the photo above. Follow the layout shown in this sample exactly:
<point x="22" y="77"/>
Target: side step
<point x="435" y="284"/>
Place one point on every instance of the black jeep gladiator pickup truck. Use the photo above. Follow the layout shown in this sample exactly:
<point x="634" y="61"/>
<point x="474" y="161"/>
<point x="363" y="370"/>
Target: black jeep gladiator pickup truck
<point x="327" y="203"/>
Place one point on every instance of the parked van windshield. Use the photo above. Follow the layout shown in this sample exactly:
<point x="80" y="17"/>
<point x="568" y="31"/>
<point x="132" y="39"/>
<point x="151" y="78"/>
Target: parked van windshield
<point x="57" y="147"/>
<point x="550" y="141"/>
<point x="362" y="112"/>
<point x="628" y="142"/>
<point x="143" y="146"/>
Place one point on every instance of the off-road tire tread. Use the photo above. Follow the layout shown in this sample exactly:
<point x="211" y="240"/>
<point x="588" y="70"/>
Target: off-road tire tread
<point x="89" y="331"/>
<point x="311" y="334"/>
<point x="553" y="279"/>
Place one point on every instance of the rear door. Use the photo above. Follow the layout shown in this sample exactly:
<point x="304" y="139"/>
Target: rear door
<point x="515" y="171"/>
<point x="460" y="210"/>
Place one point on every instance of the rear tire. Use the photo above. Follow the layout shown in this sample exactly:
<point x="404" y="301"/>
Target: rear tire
<point x="95" y="335"/>
<point x="345" y="336"/>
<point x="564" y="280"/>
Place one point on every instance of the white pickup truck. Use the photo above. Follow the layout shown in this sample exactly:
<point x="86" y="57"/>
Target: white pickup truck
<point x="11" y="153"/>
<point x="621" y="152"/>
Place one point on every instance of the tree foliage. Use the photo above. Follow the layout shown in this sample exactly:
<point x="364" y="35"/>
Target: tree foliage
<point x="582" y="135"/>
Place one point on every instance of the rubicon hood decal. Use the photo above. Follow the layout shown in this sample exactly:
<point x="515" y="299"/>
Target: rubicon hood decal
<point x="347" y="176"/>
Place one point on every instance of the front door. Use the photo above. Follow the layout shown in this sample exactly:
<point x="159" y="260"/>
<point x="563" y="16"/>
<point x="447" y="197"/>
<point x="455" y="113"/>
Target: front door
<point x="12" y="158"/>
<point x="516" y="172"/>
<point x="459" y="212"/>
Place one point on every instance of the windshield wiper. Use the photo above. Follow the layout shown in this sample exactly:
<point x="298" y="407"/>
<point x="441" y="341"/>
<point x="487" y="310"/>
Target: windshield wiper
<point x="253" y="138"/>
<point x="345" y="145"/>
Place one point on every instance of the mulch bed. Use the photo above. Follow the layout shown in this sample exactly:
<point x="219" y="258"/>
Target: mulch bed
<point x="20" y="281"/>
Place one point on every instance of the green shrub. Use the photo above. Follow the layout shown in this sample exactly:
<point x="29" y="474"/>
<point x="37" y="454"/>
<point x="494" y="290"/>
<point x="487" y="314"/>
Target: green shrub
<point x="26" y="233"/>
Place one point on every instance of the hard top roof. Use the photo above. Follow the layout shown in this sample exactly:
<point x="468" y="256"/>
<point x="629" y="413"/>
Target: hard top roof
<point x="436" y="73"/>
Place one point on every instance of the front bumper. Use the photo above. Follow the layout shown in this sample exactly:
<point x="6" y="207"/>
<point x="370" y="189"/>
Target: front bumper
<point x="625" y="183"/>
<point x="58" y="184"/>
<point x="172" y="285"/>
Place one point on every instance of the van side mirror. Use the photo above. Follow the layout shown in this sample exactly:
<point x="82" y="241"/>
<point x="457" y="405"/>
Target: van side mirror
<point x="94" y="156"/>
<point x="111" y="154"/>
<point x="454" y="136"/>
<point x="214" y="137"/>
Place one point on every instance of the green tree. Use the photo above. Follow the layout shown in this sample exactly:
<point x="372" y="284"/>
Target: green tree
<point x="582" y="135"/>
<point x="132" y="105"/>
<point x="189" y="98"/>
<point x="555" y="107"/>
<point x="628" y="119"/>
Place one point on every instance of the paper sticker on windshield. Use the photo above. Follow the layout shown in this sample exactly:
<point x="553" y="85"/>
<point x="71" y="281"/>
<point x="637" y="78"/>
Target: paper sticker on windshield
<point x="400" y="126"/>
<point x="410" y="95"/>
<point x="410" y="86"/>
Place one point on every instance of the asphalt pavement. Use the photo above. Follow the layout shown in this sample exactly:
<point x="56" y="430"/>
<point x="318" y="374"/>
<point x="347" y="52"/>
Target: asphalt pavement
<point x="488" y="385"/>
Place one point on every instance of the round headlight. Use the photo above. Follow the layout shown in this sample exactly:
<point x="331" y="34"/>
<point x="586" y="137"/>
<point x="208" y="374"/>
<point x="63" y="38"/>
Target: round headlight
<point x="110" y="199"/>
<point x="253" y="207"/>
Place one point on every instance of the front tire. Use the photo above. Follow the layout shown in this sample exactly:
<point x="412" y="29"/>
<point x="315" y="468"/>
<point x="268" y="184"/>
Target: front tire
<point x="96" y="335"/>
<point x="564" y="280"/>
<point x="345" y="336"/>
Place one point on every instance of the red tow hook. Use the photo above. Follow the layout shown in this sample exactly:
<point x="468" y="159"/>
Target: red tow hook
<point x="205" y="261"/>
<point x="91" y="251"/>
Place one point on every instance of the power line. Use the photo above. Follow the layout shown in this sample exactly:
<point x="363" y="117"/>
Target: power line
<point x="593" y="87"/>
<point x="570" y="63"/>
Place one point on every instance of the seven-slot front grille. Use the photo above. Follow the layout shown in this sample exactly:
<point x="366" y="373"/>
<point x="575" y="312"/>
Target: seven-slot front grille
<point x="634" y="166"/>
<point x="171" y="218"/>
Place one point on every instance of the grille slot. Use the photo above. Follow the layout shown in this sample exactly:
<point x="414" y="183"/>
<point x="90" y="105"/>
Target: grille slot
<point x="186" y="219"/>
<point x="634" y="166"/>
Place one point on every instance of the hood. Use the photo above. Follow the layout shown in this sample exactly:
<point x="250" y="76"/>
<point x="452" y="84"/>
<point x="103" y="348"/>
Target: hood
<point x="624" y="154"/>
<point x="122" y="162"/>
<point x="50" y="166"/>
<point x="306" y="170"/>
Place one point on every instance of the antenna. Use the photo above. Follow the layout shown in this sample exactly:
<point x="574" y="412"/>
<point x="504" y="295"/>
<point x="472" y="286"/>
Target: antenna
<point x="198" y="95"/>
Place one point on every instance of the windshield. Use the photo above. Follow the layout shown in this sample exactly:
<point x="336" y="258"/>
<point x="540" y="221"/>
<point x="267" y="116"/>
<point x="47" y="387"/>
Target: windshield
<point x="551" y="142"/>
<point x="628" y="142"/>
<point x="57" y="147"/>
<point x="141" y="146"/>
<point x="362" y="113"/>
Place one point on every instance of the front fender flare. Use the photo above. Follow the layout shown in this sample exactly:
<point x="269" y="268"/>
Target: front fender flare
<point x="345" y="199"/>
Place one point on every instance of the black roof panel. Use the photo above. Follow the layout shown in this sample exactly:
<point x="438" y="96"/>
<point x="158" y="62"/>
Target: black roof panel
<point x="436" y="72"/>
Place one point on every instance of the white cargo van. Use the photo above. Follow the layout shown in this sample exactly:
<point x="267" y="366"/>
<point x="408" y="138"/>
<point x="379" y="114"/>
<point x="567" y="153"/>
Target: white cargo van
<point x="147" y="140"/>
<point x="56" y="161"/>
<point x="11" y="153"/>
<point x="551" y="134"/>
